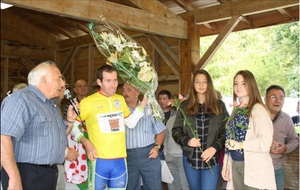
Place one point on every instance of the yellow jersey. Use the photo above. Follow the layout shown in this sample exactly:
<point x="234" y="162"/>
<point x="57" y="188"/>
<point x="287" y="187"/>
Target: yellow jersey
<point x="104" y="117"/>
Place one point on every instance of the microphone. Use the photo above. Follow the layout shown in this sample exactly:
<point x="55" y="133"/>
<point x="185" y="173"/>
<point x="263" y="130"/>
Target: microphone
<point x="68" y="96"/>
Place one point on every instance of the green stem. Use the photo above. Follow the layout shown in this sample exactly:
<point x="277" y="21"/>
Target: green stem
<point x="195" y="135"/>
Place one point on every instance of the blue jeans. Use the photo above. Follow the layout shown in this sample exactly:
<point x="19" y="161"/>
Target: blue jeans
<point x="279" y="176"/>
<point x="201" y="179"/>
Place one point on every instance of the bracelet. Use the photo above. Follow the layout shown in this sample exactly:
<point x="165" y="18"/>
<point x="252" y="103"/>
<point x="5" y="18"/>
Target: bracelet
<point x="71" y="122"/>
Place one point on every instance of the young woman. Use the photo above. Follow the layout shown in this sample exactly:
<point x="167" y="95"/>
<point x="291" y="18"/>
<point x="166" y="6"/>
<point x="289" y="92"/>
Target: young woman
<point x="249" y="133"/>
<point x="199" y="128"/>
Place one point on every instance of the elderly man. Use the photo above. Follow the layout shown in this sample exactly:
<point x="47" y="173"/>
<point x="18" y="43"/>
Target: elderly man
<point x="143" y="143"/>
<point x="33" y="133"/>
<point x="285" y="139"/>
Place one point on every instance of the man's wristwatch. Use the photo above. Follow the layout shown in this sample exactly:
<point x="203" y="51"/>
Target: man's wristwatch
<point x="158" y="146"/>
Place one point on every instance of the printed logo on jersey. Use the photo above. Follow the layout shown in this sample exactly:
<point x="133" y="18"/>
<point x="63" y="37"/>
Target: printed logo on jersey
<point x="117" y="104"/>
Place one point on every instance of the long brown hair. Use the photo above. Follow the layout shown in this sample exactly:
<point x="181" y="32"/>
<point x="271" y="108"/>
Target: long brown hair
<point x="251" y="87"/>
<point x="211" y="105"/>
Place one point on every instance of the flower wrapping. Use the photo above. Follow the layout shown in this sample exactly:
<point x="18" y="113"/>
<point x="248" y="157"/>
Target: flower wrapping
<point x="130" y="60"/>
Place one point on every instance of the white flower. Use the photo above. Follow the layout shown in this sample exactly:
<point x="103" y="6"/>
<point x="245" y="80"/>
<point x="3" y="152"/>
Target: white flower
<point x="145" y="74"/>
<point x="135" y="55"/>
<point x="143" y="64"/>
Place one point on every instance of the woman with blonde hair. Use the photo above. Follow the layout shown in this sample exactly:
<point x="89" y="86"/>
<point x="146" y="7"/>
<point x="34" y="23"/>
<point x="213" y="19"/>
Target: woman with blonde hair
<point x="249" y="134"/>
<point x="200" y="130"/>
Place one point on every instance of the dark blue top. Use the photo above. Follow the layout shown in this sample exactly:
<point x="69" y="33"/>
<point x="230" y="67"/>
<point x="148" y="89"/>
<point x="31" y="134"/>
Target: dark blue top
<point x="237" y="131"/>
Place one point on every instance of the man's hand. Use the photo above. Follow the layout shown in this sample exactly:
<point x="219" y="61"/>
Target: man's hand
<point x="89" y="148"/>
<point x="14" y="183"/>
<point x="72" y="154"/>
<point x="144" y="101"/>
<point x="278" y="148"/>
<point x="154" y="152"/>
<point x="71" y="114"/>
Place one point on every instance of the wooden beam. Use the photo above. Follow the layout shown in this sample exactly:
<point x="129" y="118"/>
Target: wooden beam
<point x="86" y="40"/>
<point x="245" y="20"/>
<point x="27" y="63"/>
<point x="240" y="7"/>
<point x="163" y="53"/>
<point x="218" y="41"/>
<point x="186" y="6"/>
<point x="91" y="65"/>
<point x="48" y="22"/>
<point x="123" y="16"/>
<point x="255" y="22"/>
<point x="168" y="78"/>
<point x="80" y="41"/>
<point x="168" y="49"/>
<point x="210" y="26"/>
<point x="23" y="51"/>
<point x="155" y="7"/>
<point x="186" y="68"/>
<point x="66" y="65"/>
<point x="26" y="29"/>
<point x="285" y="13"/>
<point x="194" y="41"/>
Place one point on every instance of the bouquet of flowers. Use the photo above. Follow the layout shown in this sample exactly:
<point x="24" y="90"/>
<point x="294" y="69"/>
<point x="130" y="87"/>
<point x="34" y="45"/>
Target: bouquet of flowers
<point x="130" y="60"/>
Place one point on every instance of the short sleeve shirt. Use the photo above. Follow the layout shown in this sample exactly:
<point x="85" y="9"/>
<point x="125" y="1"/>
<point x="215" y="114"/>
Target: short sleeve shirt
<point x="36" y="127"/>
<point x="104" y="118"/>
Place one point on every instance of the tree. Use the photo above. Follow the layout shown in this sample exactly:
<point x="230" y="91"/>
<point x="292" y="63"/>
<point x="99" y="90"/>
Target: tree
<point x="271" y="54"/>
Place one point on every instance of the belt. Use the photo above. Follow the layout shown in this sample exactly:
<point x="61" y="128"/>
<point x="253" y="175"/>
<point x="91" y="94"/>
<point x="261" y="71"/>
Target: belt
<point x="148" y="146"/>
<point x="40" y="165"/>
<point x="47" y="165"/>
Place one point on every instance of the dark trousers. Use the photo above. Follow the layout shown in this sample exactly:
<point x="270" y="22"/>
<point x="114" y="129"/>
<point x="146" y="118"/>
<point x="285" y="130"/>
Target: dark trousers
<point x="140" y="166"/>
<point x="34" y="177"/>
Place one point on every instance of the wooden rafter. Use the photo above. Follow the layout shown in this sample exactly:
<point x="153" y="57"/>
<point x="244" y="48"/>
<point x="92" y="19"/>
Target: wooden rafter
<point x="218" y="41"/>
<point x="27" y="30"/>
<point x="123" y="16"/>
<point x="27" y="63"/>
<point x="73" y="52"/>
<point x="186" y="6"/>
<point x="160" y="48"/>
<point x="155" y="7"/>
<point x="63" y="31"/>
<point x="239" y="7"/>
<point x="285" y="13"/>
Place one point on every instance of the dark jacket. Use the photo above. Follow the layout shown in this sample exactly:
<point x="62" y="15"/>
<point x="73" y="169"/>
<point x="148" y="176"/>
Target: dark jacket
<point x="216" y="130"/>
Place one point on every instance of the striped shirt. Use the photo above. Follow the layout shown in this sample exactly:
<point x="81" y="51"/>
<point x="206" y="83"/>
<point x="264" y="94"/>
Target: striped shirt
<point x="144" y="132"/>
<point x="37" y="129"/>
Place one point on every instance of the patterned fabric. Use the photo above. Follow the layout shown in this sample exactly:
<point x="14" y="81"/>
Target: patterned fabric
<point x="37" y="128"/>
<point x="104" y="118"/>
<point x="239" y="134"/>
<point x="76" y="171"/>
<point x="144" y="132"/>
<point x="202" y="124"/>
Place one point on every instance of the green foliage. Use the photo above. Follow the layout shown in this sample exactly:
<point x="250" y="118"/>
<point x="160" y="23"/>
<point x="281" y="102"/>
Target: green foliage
<point x="271" y="54"/>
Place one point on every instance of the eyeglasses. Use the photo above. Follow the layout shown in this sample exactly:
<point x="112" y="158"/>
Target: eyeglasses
<point x="273" y="97"/>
